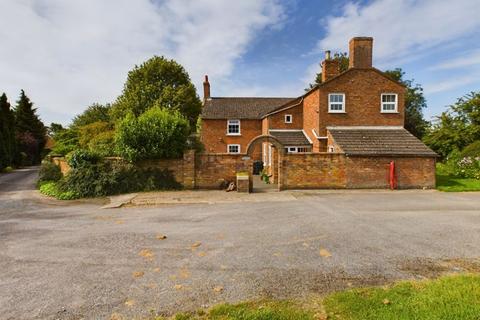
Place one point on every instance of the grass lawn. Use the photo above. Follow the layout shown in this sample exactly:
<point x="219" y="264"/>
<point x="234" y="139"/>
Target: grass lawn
<point x="449" y="297"/>
<point x="446" y="181"/>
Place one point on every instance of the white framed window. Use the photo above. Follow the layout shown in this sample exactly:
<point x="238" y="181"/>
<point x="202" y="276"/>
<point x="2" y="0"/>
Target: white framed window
<point x="389" y="103"/>
<point x="233" y="148"/>
<point x="233" y="127"/>
<point x="288" y="118"/>
<point x="331" y="149"/>
<point x="336" y="102"/>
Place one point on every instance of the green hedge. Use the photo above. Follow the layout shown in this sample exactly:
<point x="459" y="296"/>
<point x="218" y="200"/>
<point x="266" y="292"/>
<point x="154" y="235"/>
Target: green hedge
<point x="109" y="178"/>
<point x="49" y="172"/>
<point x="156" y="134"/>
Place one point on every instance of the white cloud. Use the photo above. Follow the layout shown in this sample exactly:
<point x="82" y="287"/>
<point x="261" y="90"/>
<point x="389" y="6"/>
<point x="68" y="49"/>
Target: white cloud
<point x="450" y="83"/>
<point x="68" y="54"/>
<point x="467" y="60"/>
<point x="402" y="28"/>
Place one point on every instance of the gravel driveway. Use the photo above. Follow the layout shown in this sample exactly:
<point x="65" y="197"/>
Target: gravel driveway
<point x="63" y="260"/>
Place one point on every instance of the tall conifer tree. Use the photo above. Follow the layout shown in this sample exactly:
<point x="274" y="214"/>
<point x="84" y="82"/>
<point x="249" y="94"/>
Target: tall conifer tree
<point x="30" y="131"/>
<point x="7" y="133"/>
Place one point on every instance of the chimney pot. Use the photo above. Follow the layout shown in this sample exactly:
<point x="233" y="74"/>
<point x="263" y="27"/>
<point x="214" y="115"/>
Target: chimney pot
<point x="327" y="55"/>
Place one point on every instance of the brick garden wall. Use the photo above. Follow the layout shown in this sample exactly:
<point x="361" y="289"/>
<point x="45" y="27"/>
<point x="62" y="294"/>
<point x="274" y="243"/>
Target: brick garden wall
<point x="313" y="171"/>
<point x="373" y="172"/>
<point x="215" y="170"/>
<point x="297" y="170"/>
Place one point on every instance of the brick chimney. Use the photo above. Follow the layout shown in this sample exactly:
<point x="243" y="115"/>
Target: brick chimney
<point x="330" y="67"/>
<point x="206" y="89"/>
<point x="360" y="52"/>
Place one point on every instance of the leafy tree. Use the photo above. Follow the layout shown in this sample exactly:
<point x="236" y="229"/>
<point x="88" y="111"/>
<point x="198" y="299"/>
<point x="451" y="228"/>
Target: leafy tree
<point x="7" y="133"/>
<point x="94" y="113"/>
<point x="98" y="137"/>
<point x="457" y="127"/>
<point x="66" y="141"/>
<point x="158" y="133"/>
<point x="54" y="128"/>
<point x="342" y="59"/>
<point x="30" y="131"/>
<point x="90" y="131"/>
<point x="414" y="104"/>
<point x="161" y="82"/>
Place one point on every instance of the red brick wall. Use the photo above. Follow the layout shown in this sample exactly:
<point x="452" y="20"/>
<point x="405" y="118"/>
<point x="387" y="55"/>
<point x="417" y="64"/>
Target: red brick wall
<point x="215" y="139"/>
<point x="362" y="89"/>
<point x="214" y="170"/>
<point x="277" y="120"/>
<point x="310" y="117"/>
<point x="298" y="171"/>
<point x="373" y="172"/>
<point x="313" y="171"/>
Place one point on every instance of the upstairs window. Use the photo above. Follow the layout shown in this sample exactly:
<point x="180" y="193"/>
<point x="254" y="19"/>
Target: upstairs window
<point x="288" y="118"/>
<point x="233" y="127"/>
<point x="336" y="103"/>
<point x="389" y="102"/>
<point x="233" y="148"/>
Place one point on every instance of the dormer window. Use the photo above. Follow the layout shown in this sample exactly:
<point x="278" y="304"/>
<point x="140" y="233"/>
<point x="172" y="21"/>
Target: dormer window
<point x="288" y="118"/>
<point x="233" y="127"/>
<point x="389" y="103"/>
<point x="336" y="103"/>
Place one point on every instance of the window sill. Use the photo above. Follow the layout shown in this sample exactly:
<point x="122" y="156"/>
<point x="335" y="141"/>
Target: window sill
<point x="234" y="134"/>
<point x="394" y="112"/>
<point x="337" y="111"/>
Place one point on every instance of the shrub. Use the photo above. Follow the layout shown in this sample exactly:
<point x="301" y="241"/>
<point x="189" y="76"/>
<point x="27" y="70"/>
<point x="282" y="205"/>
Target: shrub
<point x="463" y="166"/>
<point x="468" y="167"/>
<point x="65" y="141"/>
<point x="7" y="169"/>
<point x="472" y="150"/>
<point x="109" y="178"/>
<point x="103" y="144"/>
<point x="49" y="172"/>
<point x="90" y="131"/>
<point x="51" y="189"/>
<point x="82" y="157"/>
<point x="158" y="133"/>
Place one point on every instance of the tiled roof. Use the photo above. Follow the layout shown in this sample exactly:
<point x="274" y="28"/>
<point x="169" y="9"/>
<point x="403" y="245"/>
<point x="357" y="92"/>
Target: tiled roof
<point x="240" y="108"/>
<point x="290" y="137"/>
<point x="379" y="141"/>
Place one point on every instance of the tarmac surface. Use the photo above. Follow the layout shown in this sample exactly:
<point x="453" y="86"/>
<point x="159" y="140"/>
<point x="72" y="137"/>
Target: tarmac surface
<point x="74" y="260"/>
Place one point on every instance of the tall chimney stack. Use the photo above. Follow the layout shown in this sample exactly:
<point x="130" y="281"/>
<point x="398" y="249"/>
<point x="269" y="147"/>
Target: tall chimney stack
<point x="330" y="67"/>
<point x="360" y="52"/>
<point x="206" y="89"/>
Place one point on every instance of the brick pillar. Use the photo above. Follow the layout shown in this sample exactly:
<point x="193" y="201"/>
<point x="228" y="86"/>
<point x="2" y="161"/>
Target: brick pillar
<point x="189" y="169"/>
<point x="281" y="168"/>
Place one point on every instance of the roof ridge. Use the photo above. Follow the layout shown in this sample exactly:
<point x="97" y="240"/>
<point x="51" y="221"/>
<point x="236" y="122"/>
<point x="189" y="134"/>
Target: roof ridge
<point x="254" y="98"/>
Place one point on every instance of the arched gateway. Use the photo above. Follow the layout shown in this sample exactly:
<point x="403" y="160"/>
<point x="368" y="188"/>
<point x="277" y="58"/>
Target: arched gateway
<point x="274" y="150"/>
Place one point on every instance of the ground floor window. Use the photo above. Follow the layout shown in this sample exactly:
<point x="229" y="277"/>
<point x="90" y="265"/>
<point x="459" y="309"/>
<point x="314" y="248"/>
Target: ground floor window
<point x="296" y="149"/>
<point x="233" y="148"/>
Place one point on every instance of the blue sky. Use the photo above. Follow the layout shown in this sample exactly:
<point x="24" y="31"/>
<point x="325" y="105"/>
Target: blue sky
<point x="69" y="54"/>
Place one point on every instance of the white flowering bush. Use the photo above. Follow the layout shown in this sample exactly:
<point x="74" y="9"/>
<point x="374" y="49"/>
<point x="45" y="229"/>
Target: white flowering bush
<point x="468" y="167"/>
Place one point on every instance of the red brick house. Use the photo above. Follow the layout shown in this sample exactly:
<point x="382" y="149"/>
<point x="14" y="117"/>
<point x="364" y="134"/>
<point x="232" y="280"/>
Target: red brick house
<point x="358" y="113"/>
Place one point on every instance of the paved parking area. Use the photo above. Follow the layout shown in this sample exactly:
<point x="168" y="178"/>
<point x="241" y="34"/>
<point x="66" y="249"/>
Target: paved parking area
<point x="77" y="261"/>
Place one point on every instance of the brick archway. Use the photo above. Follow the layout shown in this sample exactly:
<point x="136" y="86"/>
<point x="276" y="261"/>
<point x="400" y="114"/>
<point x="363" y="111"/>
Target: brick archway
<point x="277" y="169"/>
<point x="265" y="138"/>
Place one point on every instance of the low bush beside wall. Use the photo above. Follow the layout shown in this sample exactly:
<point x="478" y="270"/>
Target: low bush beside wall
<point x="91" y="176"/>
